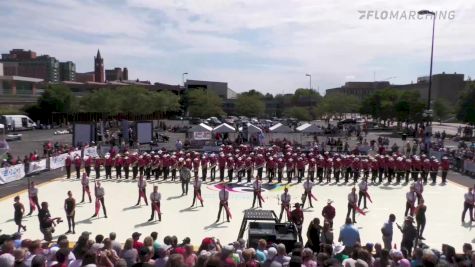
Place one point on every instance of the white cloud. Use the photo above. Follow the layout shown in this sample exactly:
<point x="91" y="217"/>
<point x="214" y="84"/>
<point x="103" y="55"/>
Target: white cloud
<point x="266" y="44"/>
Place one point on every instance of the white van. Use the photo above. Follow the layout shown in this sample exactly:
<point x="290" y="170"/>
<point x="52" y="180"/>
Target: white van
<point x="17" y="122"/>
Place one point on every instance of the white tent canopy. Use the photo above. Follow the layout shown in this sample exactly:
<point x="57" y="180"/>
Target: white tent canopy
<point x="200" y="128"/>
<point x="252" y="129"/>
<point x="224" y="128"/>
<point x="309" y="128"/>
<point x="280" y="128"/>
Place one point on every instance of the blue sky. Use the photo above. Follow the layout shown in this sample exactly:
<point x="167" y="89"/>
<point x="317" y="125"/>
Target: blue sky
<point x="266" y="45"/>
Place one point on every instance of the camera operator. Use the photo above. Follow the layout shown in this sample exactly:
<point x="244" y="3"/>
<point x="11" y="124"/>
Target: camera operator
<point x="47" y="223"/>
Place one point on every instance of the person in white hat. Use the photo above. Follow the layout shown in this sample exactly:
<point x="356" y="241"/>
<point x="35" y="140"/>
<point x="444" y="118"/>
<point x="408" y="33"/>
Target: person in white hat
<point x="108" y="166"/>
<point x="280" y="169"/>
<point x="434" y="169"/>
<point x="444" y="165"/>
<point x="223" y="202"/>
<point x="77" y="166"/>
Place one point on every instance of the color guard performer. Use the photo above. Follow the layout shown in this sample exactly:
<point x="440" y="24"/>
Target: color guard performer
<point x="285" y="204"/>
<point x="196" y="166"/>
<point x="18" y="215"/>
<point x="70" y="209"/>
<point x="257" y="190"/>
<point x="85" y="187"/>
<point x="155" y="198"/>
<point x="197" y="191"/>
<point x="419" y="187"/>
<point x="99" y="193"/>
<point x="410" y="201"/>
<point x="468" y="204"/>
<point x="363" y="192"/>
<point x="33" y="196"/>
<point x="67" y="164"/>
<point x="352" y="200"/>
<point x="445" y="164"/>
<point x="142" y="185"/>
<point x="307" y="187"/>
<point x="223" y="203"/>
<point x="185" y="177"/>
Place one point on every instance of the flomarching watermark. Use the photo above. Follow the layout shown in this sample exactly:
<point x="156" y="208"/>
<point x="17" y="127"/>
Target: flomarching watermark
<point x="404" y="15"/>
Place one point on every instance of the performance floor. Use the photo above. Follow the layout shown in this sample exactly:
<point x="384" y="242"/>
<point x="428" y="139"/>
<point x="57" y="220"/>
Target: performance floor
<point x="444" y="207"/>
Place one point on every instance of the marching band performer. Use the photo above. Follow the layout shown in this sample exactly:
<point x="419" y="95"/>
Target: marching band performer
<point x="410" y="201"/>
<point x="223" y="202"/>
<point x="118" y="166"/>
<point x="280" y="170"/>
<point x="97" y="166"/>
<point x="445" y="164"/>
<point x="142" y="185"/>
<point x="212" y="162"/>
<point x="77" y="166"/>
<point x="434" y="169"/>
<point x="204" y="167"/>
<point x="257" y="186"/>
<point x="67" y="163"/>
<point x="197" y="191"/>
<point x="155" y="198"/>
<point x="85" y="187"/>
<point x="290" y="169"/>
<point x="108" y="166"/>
<point x="87" y="165"/>
<point x="307" y="187"/>
<point x="285" y="203"/>
<point x="33" y="196"/>
<point x="222" y="166"/>
<point x="126" y="164"/>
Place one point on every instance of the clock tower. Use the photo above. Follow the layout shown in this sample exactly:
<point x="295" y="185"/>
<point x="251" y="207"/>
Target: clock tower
<point x="99" y="68"/>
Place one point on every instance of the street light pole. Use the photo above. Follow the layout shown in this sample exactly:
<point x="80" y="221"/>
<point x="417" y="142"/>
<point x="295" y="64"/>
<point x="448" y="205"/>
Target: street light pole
<point x="310" y="76"/>
<point x="429" y="94"/>
<point x="183" y="77"/>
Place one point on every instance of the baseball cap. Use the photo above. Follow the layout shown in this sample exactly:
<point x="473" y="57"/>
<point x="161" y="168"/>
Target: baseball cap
<point x="136" y="234"/>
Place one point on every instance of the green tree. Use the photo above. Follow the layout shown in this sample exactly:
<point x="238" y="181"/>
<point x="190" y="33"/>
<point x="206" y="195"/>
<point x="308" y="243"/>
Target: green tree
<point x="300" y="113"/>
<point x="338" y="104"/>
<point x="442" y="109"/>
<point x="250" y="105"/>
<point x="466" y="107"/>
<point x="57" y="98"/>
<point x="164" y="102"/>
<point x="204" y="103"/>
<point x="105" y="101"/>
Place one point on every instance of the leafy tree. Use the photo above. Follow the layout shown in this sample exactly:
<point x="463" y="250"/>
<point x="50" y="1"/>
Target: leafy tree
<point x="338" y="104"/>
<point x="442" y="109"/>
<point x="204" y="103"/>
<point x="300" y="113"/>
<point x="253" y="92"/>
<point x="57" y="98"/>
<point x="250" y="105"/>
<point x="306" y="97"/>
<point x="164" y="102"/>
<point x="466" y="107"/>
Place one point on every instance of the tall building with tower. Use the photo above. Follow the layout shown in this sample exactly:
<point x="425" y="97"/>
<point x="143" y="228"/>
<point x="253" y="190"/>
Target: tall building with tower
<point x="99" y="68"/>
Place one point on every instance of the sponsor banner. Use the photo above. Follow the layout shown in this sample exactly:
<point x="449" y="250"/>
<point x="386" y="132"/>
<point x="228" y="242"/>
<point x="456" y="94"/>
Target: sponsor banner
<point x="57" y="161"/>
<point x="37" y="166"/>
<point x="12" y="173"/>
<point x="90" y="151"/>
<point x="202" y="135"/>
